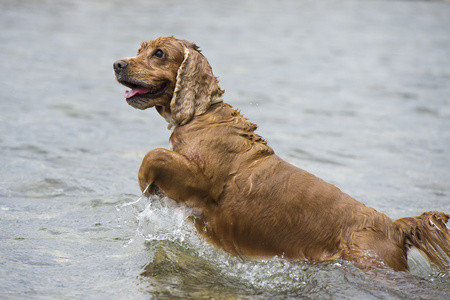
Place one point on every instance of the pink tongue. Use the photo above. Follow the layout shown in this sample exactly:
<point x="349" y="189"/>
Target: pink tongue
<point x="138" y="90"/>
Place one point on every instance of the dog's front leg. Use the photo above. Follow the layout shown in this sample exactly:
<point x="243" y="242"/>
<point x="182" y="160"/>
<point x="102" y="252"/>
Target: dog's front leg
<point x="178" y="177"/>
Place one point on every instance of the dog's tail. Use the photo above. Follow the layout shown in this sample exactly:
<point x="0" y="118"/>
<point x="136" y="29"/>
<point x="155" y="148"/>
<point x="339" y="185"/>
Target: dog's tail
<point x="429" y="233"/>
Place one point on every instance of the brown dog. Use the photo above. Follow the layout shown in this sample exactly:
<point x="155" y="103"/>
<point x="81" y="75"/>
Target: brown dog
<point x="246" y="199"/>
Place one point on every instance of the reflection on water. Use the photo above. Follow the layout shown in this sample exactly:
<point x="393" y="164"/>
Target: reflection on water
<point x="355" y="92"/>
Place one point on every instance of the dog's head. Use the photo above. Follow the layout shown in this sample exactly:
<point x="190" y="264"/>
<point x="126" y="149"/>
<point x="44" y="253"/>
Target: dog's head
<point x="171" y="75"/>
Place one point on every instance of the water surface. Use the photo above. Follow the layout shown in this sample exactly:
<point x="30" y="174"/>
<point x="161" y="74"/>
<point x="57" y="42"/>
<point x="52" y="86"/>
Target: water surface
<point x="356" y="92"/>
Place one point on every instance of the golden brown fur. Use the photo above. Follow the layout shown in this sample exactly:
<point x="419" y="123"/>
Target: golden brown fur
<point x="246" y="199"/>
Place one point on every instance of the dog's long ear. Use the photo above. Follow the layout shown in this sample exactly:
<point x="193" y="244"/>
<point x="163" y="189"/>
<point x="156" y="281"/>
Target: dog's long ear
<point x="196" y="87"/>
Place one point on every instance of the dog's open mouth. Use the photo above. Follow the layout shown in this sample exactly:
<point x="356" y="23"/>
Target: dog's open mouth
<point x="148" y="91"/>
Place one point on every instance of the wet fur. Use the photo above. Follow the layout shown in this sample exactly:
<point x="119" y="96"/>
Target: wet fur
<point x="247" y="200"/>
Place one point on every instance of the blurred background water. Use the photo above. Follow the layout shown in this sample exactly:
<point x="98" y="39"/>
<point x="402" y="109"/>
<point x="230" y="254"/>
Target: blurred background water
<point x="356" y="92"/>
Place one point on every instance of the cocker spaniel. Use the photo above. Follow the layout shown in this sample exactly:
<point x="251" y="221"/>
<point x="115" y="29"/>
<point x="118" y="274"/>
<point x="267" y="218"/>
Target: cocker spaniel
<point x="247" y="200"/>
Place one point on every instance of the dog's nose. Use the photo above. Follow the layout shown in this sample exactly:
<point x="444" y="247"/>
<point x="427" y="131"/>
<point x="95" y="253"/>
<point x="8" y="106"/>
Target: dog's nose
<point x="120" y="65"/>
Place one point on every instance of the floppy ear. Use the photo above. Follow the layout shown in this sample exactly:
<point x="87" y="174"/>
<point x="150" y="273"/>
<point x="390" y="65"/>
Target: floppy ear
<point x="196" y="87"/>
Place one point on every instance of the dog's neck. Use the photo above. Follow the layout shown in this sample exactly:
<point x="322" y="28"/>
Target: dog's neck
<point x="165" y="112"/>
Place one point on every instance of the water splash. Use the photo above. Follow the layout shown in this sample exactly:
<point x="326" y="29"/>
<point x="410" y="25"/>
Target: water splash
<point x="180" y="259"/>
<point x="158" y="218"/>
<point x="120" y="207"/>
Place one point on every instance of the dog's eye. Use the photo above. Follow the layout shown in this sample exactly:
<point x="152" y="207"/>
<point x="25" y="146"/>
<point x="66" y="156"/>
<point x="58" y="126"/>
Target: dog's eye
<point x="158" y="53"/>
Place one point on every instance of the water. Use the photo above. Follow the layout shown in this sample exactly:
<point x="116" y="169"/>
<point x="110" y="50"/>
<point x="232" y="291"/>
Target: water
<point x="356" y="92"/>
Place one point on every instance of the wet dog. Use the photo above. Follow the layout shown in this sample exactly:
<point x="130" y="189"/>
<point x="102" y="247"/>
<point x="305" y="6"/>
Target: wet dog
<point x="247" y="200"/>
